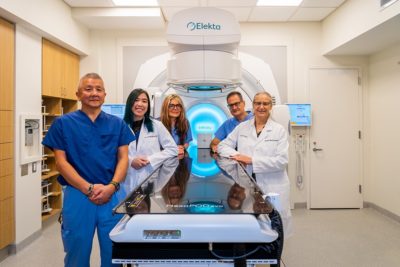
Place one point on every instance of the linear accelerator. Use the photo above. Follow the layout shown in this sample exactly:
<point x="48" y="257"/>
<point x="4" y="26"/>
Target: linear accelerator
<point x="201" y="210"/>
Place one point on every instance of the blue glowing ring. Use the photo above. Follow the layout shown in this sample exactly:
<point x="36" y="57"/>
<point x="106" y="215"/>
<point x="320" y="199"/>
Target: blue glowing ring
<point x="204" y="118"/>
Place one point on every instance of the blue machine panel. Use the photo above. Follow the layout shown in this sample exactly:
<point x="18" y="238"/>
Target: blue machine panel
<point x="114" y="109"/>
<point x="204" y="118"/>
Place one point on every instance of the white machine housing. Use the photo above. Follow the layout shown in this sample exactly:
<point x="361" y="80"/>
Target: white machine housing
<point x="195" y="228"/>
<point x="203" y="43"/>
<point x="204" y="65"/>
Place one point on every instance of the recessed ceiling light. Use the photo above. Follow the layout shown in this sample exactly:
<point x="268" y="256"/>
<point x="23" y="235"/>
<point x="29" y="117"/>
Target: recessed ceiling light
<point x="135" y="2"/>
<point x="279" y="2"/>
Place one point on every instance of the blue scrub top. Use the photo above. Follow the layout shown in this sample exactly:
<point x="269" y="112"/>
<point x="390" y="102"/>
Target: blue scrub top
<point x="91" y="147"/>
<point x="175" y="136"/>
<point x="227" y="127"/>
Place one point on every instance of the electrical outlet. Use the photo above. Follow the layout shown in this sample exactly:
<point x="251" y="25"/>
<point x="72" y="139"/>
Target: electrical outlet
<point x="24" y="169"/>
<point x="34" y="167"/>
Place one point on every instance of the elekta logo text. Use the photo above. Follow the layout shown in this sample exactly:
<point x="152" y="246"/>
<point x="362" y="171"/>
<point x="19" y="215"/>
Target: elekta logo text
<point x="203" y="26"/>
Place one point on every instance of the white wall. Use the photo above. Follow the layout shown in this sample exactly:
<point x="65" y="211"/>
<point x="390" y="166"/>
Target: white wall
<point x="106" y="56"/>
<point x="383" y="168"/>
<point x="352" y="19"/>
<point x="49" y="18"/>
<point x="28" y="88"/>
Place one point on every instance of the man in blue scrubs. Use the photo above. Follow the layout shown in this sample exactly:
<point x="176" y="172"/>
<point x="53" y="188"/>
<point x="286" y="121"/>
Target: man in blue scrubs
<point x="236" y="106"/>
<point x="91" y="152"/>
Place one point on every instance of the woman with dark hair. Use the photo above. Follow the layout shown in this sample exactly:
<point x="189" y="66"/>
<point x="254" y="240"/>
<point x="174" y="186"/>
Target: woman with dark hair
<point x="174" y="119"/>
<point x="153" y="143"/>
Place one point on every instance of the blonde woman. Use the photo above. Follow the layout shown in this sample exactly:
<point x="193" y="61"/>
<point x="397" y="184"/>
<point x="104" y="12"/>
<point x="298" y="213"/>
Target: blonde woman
<point x="174" y="119"/>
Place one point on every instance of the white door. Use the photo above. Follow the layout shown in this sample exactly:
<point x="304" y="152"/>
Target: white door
<point x="335" y="145"/>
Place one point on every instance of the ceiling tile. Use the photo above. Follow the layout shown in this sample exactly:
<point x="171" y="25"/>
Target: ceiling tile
<point x="179" y="3"/>
<point x="241" y="14"/>
<point x="89" y="3"/>
<point x="322" y="3"/>
<point x="125" y="23"/>
<point x="169" y="12"/>
<point x="116" y="18"/>
<point x="232" y="3"/>
<point x="312" y="13"/>
<point x="271" y="13"/>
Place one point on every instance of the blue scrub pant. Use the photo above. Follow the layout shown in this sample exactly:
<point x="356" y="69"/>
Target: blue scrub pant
<point x="80" y="220"/>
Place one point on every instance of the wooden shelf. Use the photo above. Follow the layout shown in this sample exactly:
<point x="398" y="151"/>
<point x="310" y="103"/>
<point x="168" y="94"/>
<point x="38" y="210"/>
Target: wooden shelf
<point x="55" y="194"/>
<point x="52" y="194"/>
<point x="51" y="115"/>
<point x="50" y="214"/>
<point x="49" y="175"/>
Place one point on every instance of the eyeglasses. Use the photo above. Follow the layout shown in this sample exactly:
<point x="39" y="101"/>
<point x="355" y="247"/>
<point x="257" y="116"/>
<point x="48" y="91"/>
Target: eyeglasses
<point x="231" y="106"/>
<point x="172" y="106"/>
<point x="259" y="104"/>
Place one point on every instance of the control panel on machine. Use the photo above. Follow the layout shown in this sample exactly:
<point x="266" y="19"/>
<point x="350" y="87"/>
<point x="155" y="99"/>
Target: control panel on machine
<point x="162" y="234"/>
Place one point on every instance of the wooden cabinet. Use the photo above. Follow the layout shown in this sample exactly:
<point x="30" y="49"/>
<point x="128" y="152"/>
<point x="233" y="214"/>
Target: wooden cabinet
<point x="51" y="69"/>
<point x="60" y="73"/>
<point x="71" y="75"/>
<point x="60" y="76"/>
<point x="7" y="218"/>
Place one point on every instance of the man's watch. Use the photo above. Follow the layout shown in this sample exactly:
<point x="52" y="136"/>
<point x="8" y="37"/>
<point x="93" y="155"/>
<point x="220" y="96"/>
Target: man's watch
<point x="116" y="185"/>
<point x="90" y="190"/>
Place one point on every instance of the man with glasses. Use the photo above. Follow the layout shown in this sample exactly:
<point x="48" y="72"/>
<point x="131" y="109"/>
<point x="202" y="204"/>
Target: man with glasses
<point x="262" y="146"/>
<point x="236" y="106"/>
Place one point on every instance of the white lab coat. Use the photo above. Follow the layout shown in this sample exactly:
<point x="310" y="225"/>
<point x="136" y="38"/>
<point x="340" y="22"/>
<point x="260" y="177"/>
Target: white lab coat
<point x="269" y="153"/>
<point x="157" y="146"/>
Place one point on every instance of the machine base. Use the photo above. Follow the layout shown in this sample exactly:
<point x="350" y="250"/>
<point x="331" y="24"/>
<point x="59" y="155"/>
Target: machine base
<point x="195" y="253"/>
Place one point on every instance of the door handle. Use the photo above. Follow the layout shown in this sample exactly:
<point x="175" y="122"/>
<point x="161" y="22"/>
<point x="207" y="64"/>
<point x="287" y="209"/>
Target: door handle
<point x="317" y="149"/>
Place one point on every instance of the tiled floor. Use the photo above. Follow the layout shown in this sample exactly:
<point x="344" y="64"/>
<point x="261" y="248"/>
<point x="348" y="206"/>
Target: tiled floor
<point x="343" y="238"/>
<point x="321" y="238"/>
